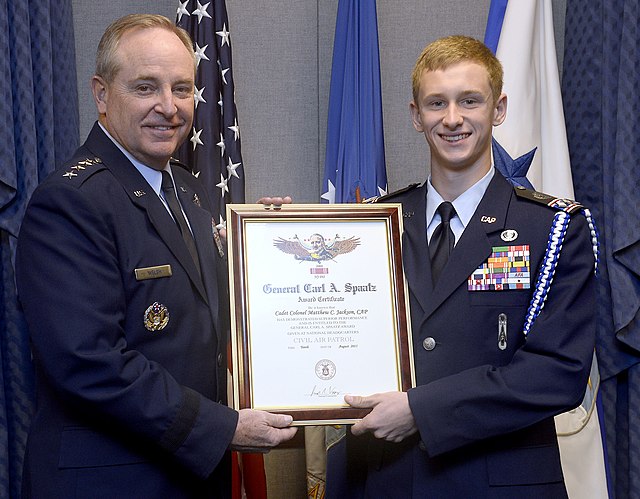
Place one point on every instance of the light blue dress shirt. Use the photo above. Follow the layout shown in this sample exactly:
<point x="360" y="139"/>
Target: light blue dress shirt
<point x="465" y="205"/>
<point x="151" y="175"/>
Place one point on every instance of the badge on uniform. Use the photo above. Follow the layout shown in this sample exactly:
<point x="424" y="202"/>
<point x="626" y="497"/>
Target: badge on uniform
<point x="156" y="317"/>
<point x="153" y="272"/>
<point x="509" y="235"/>
<point x="216" y="238"/>
<point x="506" y="268"/>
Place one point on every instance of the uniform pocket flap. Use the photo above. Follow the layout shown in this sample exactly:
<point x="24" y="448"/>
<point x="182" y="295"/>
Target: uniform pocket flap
<point x="526" y="465"/>
<point x="82" y="447"/>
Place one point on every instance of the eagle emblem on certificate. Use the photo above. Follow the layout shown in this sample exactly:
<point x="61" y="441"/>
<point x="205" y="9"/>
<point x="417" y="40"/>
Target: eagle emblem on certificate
<point x="317" y="248"/>
<point x="325" y="369"/>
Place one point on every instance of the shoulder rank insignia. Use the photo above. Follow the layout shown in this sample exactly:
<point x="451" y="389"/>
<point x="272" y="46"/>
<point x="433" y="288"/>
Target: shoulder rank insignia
<point x="562" y="204"/>
<point x="78" y="167"/>
<point x="385" y="197"/>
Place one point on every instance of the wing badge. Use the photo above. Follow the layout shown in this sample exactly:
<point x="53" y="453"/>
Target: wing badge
<point x="317" y="248"/>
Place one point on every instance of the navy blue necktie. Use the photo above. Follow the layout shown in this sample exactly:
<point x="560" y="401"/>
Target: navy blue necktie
<point x="172" y="200"/>
<point x="442" y="240"/>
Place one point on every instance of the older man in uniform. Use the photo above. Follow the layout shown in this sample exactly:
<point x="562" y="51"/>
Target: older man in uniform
<point x="124" y="293"/>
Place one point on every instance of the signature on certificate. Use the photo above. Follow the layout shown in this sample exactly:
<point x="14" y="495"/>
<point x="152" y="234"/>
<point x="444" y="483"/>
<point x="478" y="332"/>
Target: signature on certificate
<point x="326" y="391"/>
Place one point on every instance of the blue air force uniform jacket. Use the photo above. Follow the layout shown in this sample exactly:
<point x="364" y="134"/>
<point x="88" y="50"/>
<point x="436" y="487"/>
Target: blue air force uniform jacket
<point x="130" y="366"/>
<point x="484" y="402"/>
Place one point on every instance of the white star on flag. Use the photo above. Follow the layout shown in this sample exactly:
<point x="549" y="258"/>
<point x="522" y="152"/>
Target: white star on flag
<point x="330" y="195"/>
<point x="221" y="146"/>
<point x="195" y="138"/>
<point x="200" y="54"/>
<point x="182" y="10"/>
<point x="235" y="129"/>
<point x="201" y="11"/>
<point x="231" y="168"/>
<point x="197" y="96"/>
<point x="223" y="184"/>
<point x="224" y="34"/>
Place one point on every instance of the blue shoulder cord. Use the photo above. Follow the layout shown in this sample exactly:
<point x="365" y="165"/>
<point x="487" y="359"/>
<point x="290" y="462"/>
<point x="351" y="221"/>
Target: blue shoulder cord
<point x="550" y="262"/>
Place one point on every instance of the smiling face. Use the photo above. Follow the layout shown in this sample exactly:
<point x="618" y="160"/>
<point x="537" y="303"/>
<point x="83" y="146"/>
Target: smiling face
<point x="456" y="111"/>
<point x="148" y="105"/>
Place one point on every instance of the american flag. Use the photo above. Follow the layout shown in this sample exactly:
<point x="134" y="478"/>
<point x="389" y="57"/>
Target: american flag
<point x="213" y="154"/>
<point x="213" y="148"/>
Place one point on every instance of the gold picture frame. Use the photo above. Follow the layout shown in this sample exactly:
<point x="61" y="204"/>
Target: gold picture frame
<point x="318" y="308"/>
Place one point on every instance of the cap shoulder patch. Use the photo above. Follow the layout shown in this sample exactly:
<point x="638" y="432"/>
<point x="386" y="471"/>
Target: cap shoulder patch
<point x="79" y="171"/>
<point x="562" y="204"/>
<point x="387" y="197"/>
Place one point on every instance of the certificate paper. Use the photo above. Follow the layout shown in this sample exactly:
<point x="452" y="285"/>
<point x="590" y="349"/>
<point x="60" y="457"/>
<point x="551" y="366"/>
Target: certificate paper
<point x="319" y="311"/>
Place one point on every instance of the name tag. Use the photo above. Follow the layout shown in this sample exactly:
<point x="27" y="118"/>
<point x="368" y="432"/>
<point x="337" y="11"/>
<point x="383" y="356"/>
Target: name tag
<point x="506" y="268"/>
<point x="153" y="272"/>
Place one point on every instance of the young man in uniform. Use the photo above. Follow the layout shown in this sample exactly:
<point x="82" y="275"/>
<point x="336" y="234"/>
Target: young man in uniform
<point x="501" y="289"/>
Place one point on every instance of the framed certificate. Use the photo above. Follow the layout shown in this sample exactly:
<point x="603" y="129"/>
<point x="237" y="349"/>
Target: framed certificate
<point x="318" y="308"/>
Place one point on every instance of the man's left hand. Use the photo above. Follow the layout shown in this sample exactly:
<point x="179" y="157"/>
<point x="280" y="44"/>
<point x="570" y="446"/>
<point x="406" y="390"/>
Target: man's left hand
<point x="275" y="201"/>
<point x="391" y="418"/>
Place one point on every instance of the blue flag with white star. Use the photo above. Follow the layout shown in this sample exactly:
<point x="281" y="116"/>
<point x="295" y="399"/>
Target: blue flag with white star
<point x="354" y="164"/>
<point x="213" y="149"/>
<point x="521" y="35"/>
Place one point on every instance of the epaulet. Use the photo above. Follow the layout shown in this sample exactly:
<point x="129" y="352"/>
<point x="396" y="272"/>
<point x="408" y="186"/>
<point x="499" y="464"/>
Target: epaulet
<point x="80" y="170"/>
<point x="386" y="197"/>
<point x="562" y="204"/>
<point x="176" y="162"/>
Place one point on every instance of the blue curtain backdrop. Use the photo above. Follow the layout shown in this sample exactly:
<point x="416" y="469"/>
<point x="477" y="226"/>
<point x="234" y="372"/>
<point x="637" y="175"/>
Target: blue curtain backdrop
<point x="602" y="108"/>
<point x="38" y="129"/>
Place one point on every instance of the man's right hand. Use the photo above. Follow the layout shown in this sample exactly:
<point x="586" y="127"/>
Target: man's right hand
<point x="259" y="431"/>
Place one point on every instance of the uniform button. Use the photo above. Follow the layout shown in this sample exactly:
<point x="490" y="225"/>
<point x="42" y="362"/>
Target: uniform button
<point x="421" y="446"/>
<point x="429" y="344"/>
<point x="219" y="360"/>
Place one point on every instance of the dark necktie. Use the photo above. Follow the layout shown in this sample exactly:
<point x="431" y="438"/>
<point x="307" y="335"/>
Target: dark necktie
<point x="172" y="200"/>
<point x="442" y="240"/>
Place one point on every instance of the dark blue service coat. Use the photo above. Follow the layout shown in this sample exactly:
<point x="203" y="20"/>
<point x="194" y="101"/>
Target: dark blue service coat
<point x="123" y="410"/>
<point x="484" y="414"/>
